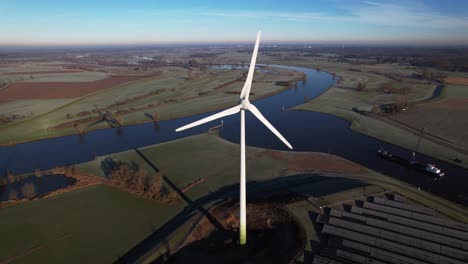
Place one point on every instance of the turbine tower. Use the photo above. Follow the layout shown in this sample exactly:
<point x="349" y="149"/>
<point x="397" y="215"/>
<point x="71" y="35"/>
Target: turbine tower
<point x="243" y="105"/>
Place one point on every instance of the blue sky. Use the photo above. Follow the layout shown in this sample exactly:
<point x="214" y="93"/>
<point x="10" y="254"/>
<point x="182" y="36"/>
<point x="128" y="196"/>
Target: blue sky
<point x="52" y="22"/>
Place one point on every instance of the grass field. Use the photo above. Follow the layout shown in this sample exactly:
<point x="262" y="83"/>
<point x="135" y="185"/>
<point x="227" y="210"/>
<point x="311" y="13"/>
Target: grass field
<point x="445" y="118"/>
<point x="93" y="225"/>
<point x="84" y="76"/>
<point x="181" y="92"/>
<point x="100" y="223"/>
<point x="31" y="107"/>
<point x="456" y="91"/>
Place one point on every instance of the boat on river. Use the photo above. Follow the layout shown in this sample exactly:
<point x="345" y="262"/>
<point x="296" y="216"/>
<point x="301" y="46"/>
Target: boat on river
<point x="428" y="168"/>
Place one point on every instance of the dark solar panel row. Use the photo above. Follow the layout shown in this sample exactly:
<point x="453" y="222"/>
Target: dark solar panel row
<point x="382" y="254"/>
<point x="404" y="206"/>
<point x="413" y="223"/>
<point x="397" y="248"/>
<point x="322" y="260"/>
<point x="404" y="228"/>
<point x="399" y="198"/>
<point x="400" y="238"/>
<point x="357" y="258"/>
<point x="322" y="219"/>
<point x="417" y="216"/>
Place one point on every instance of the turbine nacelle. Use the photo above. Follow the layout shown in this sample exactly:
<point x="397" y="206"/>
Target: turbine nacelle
<point x="244" y="104"/>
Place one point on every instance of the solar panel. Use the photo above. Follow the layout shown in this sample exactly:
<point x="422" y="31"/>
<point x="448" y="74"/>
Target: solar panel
<point x="357" y="258"/>
<point x="404" y="228"/>
<point x="397" y="248"/>
<point x="400" y="238"/>
<point x="404" y="206"/>
<point x="421" y="217"/>
<point x="322" y="260"/>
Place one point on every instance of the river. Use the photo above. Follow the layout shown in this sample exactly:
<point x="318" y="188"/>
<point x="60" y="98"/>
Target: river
<point x="306" y="131"/>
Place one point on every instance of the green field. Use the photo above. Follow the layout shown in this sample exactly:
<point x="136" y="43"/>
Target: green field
<point x="203" y="156"/>
<point x="456" y="91"/>
<point x="100" y="223"/>
<point x="92" y="225"/>
<point x="183" y="92"/>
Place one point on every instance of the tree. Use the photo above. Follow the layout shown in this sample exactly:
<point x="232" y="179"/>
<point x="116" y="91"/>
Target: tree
<point x="155" y="116"/>
<point x="69" y="172"/>
<point x="37" y="173"/>
<point x="118" y="120"/>
<point x="154" y="187"/>
<point x="3" y="181"/>
<point x="361" y="86"/>
<point x="79" y="128"/>
<point x="13" y="195"/>
<point x="29" y="190"/>
<point x="4" y="119"/>
<point x="11" y="177"/>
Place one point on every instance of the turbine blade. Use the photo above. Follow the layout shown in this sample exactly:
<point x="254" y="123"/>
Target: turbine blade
<point x="229" y="111"/>
<point x="248" y="82"/>
<point x="260" y="117"/>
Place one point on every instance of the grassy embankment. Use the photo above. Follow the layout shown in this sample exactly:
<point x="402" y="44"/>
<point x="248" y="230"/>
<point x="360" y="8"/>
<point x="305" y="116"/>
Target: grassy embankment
<point x="185" y="93"/>
<point x="99" y="223"/>
<point x="343" y="97"/>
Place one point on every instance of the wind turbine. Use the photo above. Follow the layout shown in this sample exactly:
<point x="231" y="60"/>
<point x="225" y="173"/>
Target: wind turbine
<point x="243" y="105"/>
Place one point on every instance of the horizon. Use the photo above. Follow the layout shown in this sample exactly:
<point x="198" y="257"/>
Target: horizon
<point x="55" y="23"/>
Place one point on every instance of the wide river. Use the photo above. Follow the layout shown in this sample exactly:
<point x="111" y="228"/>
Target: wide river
<point x="306" y="131"/>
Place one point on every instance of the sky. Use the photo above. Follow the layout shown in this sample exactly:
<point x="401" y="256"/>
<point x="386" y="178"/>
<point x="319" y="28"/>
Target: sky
<point x="102" y="22"/>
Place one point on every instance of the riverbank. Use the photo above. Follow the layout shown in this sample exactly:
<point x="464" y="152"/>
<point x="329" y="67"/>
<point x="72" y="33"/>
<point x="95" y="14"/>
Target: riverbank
<point x="195" y="95"/>
<point x="346" y="101"/>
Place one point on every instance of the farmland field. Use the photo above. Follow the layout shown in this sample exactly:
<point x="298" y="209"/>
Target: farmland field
<point x="95" y="224"/>
<point x="57" y="90"/>
<point x="171" y="91"/>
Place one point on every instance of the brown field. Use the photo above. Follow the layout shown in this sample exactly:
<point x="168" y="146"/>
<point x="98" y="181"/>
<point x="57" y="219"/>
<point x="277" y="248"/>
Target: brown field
<point x="456" y="80"/>
<point x="75" y="66"/>
<point x="445" y="119"/>
<point x="307" y="162"/>
<point x="57" y="90"/>
<point x="40" y="72"/>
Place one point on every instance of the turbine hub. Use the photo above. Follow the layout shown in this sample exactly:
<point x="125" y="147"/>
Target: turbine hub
<point x="245" y="104"/>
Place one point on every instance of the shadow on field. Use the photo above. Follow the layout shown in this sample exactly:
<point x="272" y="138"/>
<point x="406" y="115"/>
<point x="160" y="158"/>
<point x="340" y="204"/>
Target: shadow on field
<point x="182" y="194"/>
<point x="302" y="186"/>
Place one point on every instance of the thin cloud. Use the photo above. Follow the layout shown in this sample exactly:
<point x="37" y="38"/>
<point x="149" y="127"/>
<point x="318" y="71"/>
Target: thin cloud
<point x="373" y="13"/>
<point x="388" y="14"/>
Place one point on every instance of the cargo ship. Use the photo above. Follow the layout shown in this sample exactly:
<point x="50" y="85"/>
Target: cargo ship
<point x="429" y="168"/>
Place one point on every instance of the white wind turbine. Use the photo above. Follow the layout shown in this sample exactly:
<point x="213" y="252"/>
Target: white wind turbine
<point x="242" y="107"/>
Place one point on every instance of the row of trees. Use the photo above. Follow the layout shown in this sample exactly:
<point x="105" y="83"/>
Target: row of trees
<point x="138" y="181"/>
<point x="28" y="189"/>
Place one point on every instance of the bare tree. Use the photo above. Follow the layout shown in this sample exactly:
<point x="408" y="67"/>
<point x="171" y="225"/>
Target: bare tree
<point x="79" y="128"/>
<point x="361" y="86"/>
<point x="154" y="187"/>
<point x="155" y="116"/>
<point x="3" y="181"/>
<point x="69" y="172"/>
<point x="13" y="195"/>
<point x="37" y="173"/>
<point x="29" y="190"/>
<point x="11" y="177"/>
<point x="118" y="120"/>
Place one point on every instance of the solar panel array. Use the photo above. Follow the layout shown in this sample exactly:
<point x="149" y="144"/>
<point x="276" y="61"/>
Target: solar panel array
<point x="391" y="231"/>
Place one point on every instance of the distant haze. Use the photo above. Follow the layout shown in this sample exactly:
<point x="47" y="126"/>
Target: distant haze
<point x="63" y="22"/>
